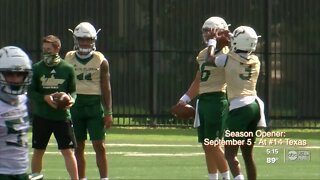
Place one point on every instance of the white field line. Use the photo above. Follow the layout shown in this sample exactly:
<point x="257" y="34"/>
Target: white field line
<point x="164" y="154"/>
<point x="139" y="154"/>
<point x="187" y="145"/>
<point x="140" y="145"/>
<point x="136" y="154"/>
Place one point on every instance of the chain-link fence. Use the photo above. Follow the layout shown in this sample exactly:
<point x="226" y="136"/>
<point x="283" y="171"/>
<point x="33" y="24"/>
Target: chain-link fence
<point x="152" y="44"/>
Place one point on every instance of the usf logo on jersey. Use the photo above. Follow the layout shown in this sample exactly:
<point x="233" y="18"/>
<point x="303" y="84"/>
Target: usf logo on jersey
<point x="51" y="82"/>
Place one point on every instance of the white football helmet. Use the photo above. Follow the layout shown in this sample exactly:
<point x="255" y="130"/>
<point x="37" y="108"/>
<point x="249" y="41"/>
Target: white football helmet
<point x="13" y="59"/>
<point x="215" y="22"/>
<point x="244" y="38"/>
<point x="84" y="30"/>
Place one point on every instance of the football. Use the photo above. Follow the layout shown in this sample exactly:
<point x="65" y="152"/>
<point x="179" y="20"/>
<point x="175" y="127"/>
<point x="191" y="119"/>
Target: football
<point x="61" y="99"/>
<point x="183" y="111"/>
<point x="223" y="38"/>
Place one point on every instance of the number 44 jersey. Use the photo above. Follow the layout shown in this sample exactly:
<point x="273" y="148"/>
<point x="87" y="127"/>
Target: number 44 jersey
<point x="87" y="72"/>
<point x="14" y="126"/>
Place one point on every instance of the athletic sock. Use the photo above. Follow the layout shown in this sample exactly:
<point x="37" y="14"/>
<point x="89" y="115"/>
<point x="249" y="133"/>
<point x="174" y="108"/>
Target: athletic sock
<point x="104" y="178"/>
<point x="239" y="177"/>
<point x="225" y="175"/>
<point x="213" y="176"/>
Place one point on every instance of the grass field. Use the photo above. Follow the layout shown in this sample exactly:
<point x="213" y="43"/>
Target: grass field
<point x="175" y="154"/>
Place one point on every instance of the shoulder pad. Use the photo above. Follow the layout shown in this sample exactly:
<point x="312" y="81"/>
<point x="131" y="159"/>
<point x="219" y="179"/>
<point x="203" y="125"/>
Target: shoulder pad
<point x="70" y="54"/>
<point x="99" y="55"/>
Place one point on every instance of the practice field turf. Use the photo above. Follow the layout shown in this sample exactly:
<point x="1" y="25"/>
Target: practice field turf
<point x="175" y="154"/>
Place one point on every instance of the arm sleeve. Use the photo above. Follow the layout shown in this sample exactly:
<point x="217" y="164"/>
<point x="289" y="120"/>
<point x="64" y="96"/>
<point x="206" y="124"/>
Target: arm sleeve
<point x="221" y="60"/>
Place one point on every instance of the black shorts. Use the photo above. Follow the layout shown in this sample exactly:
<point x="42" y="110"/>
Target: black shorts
<point x="14" y="177"/>
<point x="43" y="128"/>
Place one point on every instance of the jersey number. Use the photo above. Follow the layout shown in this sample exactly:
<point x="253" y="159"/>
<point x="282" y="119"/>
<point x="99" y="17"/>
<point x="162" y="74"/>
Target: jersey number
<point x="204" y="73"/>
<point x="84" y="76"/>
<point x="248" y="72"/>
<point x="21" y="140"/>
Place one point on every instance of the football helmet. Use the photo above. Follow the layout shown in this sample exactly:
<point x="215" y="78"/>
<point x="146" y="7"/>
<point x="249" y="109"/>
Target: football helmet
<point x="244" y="38"/>
<point x="215" y="22"/>
<point x="13" y="59"/>
<point x="84" y="30"/>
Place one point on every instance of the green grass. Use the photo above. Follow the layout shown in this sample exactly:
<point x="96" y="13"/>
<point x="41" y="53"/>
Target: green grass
<point x="151" y="154"/>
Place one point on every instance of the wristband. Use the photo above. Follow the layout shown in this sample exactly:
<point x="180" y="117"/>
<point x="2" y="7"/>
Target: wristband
<point x="212" y="42"/>
<point x="108" y="113"/>
<point x="185" y="98"/>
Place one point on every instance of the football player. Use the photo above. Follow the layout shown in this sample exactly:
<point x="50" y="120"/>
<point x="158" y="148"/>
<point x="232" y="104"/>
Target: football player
<point x="212" y="107"/>
<point x="242" y="69"/>
<point x="15" y="76"/>
<point x="92" y="110"/>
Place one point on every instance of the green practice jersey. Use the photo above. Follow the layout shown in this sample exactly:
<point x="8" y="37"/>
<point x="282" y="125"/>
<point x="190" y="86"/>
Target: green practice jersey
<point x="48" y="80"/>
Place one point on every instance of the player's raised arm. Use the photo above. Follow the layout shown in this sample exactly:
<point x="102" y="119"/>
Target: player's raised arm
<point x="217" y="39"/>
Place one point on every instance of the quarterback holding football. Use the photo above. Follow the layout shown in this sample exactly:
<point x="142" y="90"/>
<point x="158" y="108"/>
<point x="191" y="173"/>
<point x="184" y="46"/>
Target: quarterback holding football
<point x="209" y="86"/>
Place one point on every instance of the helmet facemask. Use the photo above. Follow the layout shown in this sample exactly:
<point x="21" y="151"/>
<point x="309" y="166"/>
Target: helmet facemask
<point x="83" y="51"/>
<point x="15" y="88"/>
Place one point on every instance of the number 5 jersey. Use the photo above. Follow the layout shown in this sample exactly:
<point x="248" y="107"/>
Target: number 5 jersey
<point x="14" y="126"/>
